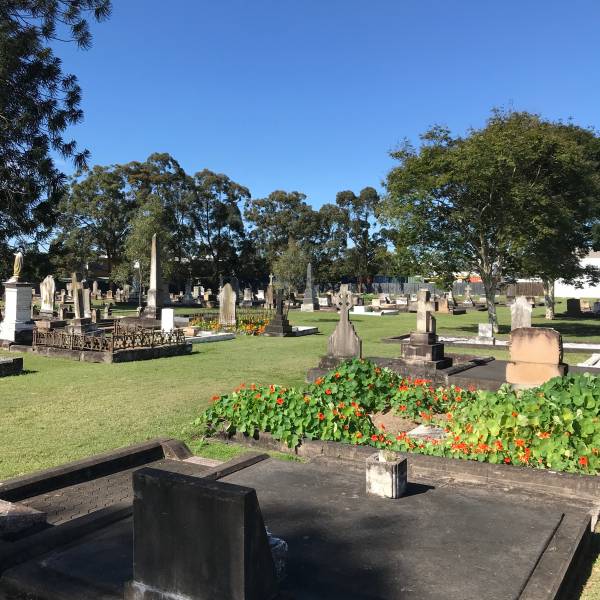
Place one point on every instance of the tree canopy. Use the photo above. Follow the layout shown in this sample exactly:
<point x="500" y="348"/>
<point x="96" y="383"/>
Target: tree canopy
<point x="485" y="201"/>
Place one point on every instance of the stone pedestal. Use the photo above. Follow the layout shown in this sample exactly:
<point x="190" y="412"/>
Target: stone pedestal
<point x="424" y="348"/>
<point x="17" y="325"/>
<point x="80" y="326"/>
<point x="279" y="327"/>
<point x="386" y="478"/>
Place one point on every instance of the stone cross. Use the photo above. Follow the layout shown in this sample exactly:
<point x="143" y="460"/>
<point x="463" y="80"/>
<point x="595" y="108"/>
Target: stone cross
<point x="271" y="278"/>
<point x="344" y="342"/>
<point x="425" y="309"/>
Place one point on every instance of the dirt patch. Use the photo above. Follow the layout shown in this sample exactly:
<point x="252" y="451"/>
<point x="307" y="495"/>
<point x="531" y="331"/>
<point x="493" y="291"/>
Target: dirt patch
<point x="392" y="422"/>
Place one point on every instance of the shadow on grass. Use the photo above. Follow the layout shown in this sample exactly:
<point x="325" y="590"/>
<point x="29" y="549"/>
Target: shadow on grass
<point x="581" y="572"/>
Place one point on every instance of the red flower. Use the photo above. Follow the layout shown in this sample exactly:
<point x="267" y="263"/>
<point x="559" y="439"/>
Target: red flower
<point x="583" y="461"/>
<point x="321" y="416"/>
<point x="319" y="381"/>
<point x="507" y="460"/>
<point x="520" y="443"/>
<point x="543" y="434"/>
<point x="328" y="392"/>
<point x="358" y="434"/>
<point x="257" y="396"/>
<point x="402" y="407"/>
<point x="271" y="388"/>
<point x="215" y="398"/>
<point x="346" y="427"/>
<point x="280" y="401"/>
<point x="498" y="444"/>
<point x="374" y="438"/>
<point x="337" y="375"/>
<point x="514" y="414"/>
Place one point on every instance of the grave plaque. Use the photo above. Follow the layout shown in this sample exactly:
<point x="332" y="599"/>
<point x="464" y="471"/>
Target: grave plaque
<point x="195" y="538"/>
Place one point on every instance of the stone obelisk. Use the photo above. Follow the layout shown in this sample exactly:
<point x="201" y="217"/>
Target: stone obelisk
<point x="310" y="302"/>
<point x="156" y="291"/>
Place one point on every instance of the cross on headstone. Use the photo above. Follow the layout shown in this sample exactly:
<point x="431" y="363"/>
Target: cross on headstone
<point x="425" y="309"/>
<point x="344" y="342"/>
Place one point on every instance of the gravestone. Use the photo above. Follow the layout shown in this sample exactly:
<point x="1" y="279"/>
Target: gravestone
<point x="156" y="291"/>
<point x="423" y="347"/>
<point x="486" y="333"/>
<point x="87" y="302"/>
<point x="279" y="326"/>
<point x="167" y="319"/>
<point x="198" y="539"/>
<point x="468" y="300"/>
<point x="310" y="302"/>
<point x="95" y="290"/>
<point x="535" y="357"/>
<point x="269" y="299"/>
<point x="248" y="300"/>
<point x="443" y="306"/>
<point x="573" y="307"/>
<point x="17" y="325"/>
<point x="126" y="292"/>
<point x="188" y="297"/>
<point x="520" y="313"/>
<point x="260" y="295"/>
<point x="227" y="306"/>
<point x="344" y="342"/>
<point x="77" y="297"/>
<point x="47" y="291"/>
<point x="195" y="292"/>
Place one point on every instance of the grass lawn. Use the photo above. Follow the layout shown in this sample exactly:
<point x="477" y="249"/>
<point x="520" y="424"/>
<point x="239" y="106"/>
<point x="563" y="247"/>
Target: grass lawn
<point x="63" y="410"/>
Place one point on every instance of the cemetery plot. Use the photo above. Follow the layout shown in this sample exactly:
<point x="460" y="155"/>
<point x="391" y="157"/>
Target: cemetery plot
<point x="256" y="527"/>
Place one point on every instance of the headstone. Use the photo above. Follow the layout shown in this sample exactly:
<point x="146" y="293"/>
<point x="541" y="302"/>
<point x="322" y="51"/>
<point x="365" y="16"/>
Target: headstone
<point x="423" y="347"/>
<point x="119" y="295"/>
<point x="96" y="315"/>
<point x="248" y="300"/>
<point x="520" y="313"/>
<point x="279" y="326"/>
<point x="573" y="307"/>
<point x="468" y="300"/>
<point x="76" y="291"/>
<point x="47" y="291"/>
<point x="95" y="289"/>
<point x="486" y="333"/>
<point x="269" y="299"/>
<point x="167" y="319"/>
<point x="535" y="356"/>
<point x="188" y="297"/>
<point x="61" y="312"/>
<point x="344" y="342"/>
<point x="109" y="295"/>
<point x="62" y="297"/>
<point x="126" y="292"/>
<point x="425" y="309"/>
<point x="443" y="306"/>
<point x="310" y="302"/>
<point x="156" y="291"/>
<point x="235" y="284"/>
<point x="69" y="287"/>
<point x="87" y="302"/>
<point x="195" y="538"/>
<point x="195" y="292"/>
<point x="596" y="308"/>
<point x="107" y="311"/>
<point x="227" y="307"/>
<point x="260" y="295"/>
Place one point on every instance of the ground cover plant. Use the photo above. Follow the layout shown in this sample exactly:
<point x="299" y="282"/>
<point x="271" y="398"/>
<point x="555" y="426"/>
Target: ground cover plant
<point x="556" y="425"/>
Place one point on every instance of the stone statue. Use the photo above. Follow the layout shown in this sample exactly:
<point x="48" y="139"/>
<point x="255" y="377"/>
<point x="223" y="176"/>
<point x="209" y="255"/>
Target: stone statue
<point x="47" y="290"/>
<point x="18" y="266"/>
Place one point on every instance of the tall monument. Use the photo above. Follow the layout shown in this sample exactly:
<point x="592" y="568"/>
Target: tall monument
<point x="17" y="325"/>
<point x="310" y="302"/>
<point x="156" y="291"/>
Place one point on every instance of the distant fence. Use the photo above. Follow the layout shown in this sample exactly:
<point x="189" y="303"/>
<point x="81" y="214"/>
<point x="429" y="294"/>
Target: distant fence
<point x="141" y="338"/>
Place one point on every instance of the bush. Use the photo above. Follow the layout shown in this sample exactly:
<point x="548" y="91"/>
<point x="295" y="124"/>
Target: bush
<point x="556" y="425"/>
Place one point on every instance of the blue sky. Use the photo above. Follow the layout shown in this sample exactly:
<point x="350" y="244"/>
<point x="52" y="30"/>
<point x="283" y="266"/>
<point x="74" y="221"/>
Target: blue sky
<point x="311" y="95"/>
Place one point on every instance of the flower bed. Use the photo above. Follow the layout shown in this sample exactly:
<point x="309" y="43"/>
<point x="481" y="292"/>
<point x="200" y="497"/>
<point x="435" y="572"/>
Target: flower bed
<point x="247" y="325"/>
<point x="556" y="425"/>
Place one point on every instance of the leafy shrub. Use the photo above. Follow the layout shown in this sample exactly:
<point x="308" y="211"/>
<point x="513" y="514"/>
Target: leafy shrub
<point x="556" y="425"/>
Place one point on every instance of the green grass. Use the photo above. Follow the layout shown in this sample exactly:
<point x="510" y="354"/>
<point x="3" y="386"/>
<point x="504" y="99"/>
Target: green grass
<point x="63" y="410"/>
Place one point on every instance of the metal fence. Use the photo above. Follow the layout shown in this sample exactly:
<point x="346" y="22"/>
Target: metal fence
<point x="142" y="338"/>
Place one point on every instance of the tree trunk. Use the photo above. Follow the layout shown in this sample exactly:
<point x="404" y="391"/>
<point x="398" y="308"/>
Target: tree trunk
<point x="549" y="298"/>
<point x="490" y="285"/>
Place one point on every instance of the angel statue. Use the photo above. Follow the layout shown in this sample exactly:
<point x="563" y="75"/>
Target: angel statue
<point x="18" y="267"/>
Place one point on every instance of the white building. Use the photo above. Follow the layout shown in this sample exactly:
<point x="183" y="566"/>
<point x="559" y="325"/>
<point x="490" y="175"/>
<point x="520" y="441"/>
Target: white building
<point x="563" y="290"/>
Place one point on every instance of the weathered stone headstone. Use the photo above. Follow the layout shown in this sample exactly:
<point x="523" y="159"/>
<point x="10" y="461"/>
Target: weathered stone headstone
<point x="126" y="292"/>
<point x="47" y="291"/>
<point x="310" y="302"/>
<point x="423" y="347"/>
<point x="87" y="302"/>
<point x="227" y="306"/>
<point x="269" y="299"/>
<point x="95" y="289"/>
<point x="279" y="326"/>
<point x="248" y="299"/>
<point x="520" y="313"/>
<point x="468" y="300"/>
<point x="535" y="356"/>
<point x="194" y="538"/>
<point x="77" y="297"/>
<point x="167" y="319"/>
<point x="344" y="342"/>
<point x="486" y="333"/>
<point x="156" y="292"/>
